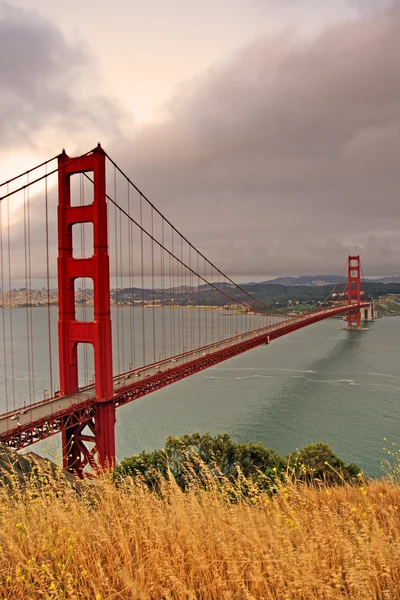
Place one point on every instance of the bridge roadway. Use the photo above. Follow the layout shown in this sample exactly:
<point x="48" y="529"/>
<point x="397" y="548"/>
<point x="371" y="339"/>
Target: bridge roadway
<point x="24" y="426"/>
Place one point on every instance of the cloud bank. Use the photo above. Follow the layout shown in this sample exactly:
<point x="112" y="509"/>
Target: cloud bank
<point x="285" y="158"/>
<point x="281" y="160"/>
<point x="45" y="85"/>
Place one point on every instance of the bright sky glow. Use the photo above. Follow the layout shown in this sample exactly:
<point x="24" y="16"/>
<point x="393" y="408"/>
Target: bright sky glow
<point x="144" y="50"/>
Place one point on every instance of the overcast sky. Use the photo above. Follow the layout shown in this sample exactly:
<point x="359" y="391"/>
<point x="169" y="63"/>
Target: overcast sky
<point x="268" y="131"/>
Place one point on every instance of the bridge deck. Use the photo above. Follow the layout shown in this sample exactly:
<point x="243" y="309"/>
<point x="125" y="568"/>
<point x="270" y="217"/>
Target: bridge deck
<point x="23" y="427"/>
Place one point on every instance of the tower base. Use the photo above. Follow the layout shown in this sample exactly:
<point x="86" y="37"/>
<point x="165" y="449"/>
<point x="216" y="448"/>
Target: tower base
<point x="369" y="314"/>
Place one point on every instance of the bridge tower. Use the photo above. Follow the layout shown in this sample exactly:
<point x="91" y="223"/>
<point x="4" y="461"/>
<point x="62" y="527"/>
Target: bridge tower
<point x="71" y="332"/>
<point x="354" y="291"/>
<point x="369" y="314"/>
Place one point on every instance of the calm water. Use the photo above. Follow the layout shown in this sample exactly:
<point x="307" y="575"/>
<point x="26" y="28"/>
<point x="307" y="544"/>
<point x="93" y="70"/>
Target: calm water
<point x="319" y="384"/>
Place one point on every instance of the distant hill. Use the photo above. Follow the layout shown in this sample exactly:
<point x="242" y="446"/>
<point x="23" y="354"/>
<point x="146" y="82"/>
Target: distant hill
<point x="392" y="279"/>
<point x="318" y="280"/>
<point x="311" y="280"/>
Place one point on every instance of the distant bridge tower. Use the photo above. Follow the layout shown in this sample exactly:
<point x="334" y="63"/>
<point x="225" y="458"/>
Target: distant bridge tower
<point x="369" y="314"/>
<point x="354" y="292"/>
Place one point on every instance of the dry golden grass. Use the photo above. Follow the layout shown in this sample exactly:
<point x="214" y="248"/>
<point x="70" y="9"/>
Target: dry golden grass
<point x="126" y="542"/>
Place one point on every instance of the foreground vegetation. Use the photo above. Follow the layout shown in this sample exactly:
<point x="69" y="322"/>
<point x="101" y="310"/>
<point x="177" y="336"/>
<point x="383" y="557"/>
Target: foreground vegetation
<point x="199" y="455"/>
<point x="209" y="535"/>
<point x="127" y="542"/>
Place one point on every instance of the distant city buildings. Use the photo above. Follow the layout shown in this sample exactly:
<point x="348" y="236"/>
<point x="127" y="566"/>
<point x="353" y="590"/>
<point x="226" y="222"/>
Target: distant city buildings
<point x="22" y="297"/>
<point x="25" y="297"/>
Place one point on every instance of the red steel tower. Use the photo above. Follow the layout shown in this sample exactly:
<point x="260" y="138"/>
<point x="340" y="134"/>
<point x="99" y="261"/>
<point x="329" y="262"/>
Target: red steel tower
<point x="354" y="291"/>
<point x="72" y="332"/>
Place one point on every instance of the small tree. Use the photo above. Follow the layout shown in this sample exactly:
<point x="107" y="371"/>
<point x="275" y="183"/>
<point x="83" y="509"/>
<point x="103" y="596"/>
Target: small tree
<point x="319" y="462"/>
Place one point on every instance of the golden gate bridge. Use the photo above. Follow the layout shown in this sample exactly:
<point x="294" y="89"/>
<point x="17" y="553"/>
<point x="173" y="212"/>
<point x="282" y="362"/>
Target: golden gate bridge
<point x="164" y="301"/>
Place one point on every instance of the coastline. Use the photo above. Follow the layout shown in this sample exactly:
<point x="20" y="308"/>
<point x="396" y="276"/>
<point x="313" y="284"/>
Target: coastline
<point x="386" y="306"/>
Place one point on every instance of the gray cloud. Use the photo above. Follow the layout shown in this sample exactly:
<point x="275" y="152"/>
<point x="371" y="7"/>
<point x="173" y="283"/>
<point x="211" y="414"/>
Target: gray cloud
<point x="374" y="6"/>
<point x="285" y="158"/>
<point x="281" y="161"/>
<point x="49" y="94"/>
<point x="41" y="83"/>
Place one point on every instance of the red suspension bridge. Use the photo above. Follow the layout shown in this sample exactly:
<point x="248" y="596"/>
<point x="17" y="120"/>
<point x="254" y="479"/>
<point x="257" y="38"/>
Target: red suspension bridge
<point x="119" y="257"/>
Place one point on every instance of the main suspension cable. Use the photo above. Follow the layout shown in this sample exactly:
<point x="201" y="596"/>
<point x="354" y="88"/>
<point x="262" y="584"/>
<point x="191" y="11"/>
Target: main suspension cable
<point x="30" y="183"/>
<point x="43" y="164"/>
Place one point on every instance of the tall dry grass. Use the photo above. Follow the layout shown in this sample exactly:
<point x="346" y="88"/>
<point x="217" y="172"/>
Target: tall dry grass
<point x="109" y="542"/>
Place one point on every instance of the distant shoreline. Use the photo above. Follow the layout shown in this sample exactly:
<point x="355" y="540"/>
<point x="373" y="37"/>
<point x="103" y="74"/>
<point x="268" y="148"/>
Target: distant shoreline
<point x="386" y="306"/>
<point x="280" y="312"/>
<point x="176" y="306"/>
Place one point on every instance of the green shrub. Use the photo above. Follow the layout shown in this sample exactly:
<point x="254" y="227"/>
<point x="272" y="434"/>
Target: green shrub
<point x="319" y="462"/>
<point x="201" y="456"/>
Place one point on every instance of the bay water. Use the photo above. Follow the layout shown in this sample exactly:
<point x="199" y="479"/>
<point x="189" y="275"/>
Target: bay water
<point x="317" y="384"/>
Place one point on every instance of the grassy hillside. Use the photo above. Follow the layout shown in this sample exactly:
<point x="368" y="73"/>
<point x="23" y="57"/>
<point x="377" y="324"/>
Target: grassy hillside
<point x="125" y="542"/>
<point x="388" y="306"/>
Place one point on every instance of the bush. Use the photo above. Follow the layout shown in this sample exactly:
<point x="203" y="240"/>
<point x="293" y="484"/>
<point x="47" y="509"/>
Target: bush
<point x="318" y="462"/>
<point x="197" y="456"/>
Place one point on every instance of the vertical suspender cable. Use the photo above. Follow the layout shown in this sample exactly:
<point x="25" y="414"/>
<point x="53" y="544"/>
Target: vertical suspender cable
<point x="10" y="304"/>
<point x="163" y="327"/>
<point x="180" y="314"/>
<point x="170" y="312"/>
<point x="241" y="319"/>
<point x="117" y="295"/>
<point x="206" y="302"/>
<point x="236" y="321"/>
<point x="121" y="287"/>
<point x="191" y="300"/>
<point x="212" y="307"/>
<point x="185" y="302"/>
<point x="224" y="323"/>
<point x="51" y="388"/>
<point x="218" y="311"/>
<point x="28" y="346"/>
<point x="173" y="294"/>
<point x="177" y="303"/>
<point x="3" y="318"/>
<point x="181" y="343"/>
<point x="31" y="336"/>
<point x="198" y="304"/>
<point x="131" y="301"/>
<point x="142" y="282"/>
<point x="152" y="286"/>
